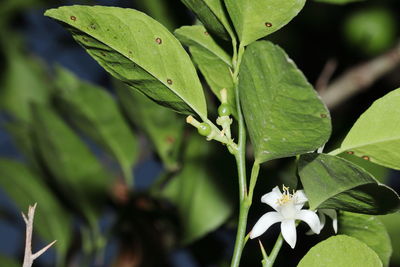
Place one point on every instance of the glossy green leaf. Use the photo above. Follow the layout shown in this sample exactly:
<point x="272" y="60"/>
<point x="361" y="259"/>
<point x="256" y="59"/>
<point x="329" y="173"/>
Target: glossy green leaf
<point x="254" y="19"/>
<point x="368" y="229"/>
<point x="340" y="251"/>
<point x="284" y="115"/>
<point x="139" y="51"/>
<point x="199" y="192"/>
<point x="52" y="221"/>
<point x="75" y="169"/>
<point x="334" y="183"/>
<point x="338" y="2"/>
<point x="391" y="222"/>
<point x="94" y="111"/>
<point x="213" y="62"/>
<point x="23" y="82"/>
<point x="163" y="127"/>
<point x="9" y="262"/>
<point x="376" y="134"/>
<point x="212" y="14"/>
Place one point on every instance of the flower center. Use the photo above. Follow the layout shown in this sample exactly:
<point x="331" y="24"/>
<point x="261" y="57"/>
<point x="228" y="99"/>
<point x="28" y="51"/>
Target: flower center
<point x="286" y="196"/>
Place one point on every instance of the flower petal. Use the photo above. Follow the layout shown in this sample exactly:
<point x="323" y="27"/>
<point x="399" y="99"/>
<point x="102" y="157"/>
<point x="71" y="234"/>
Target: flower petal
<point x="264" y="223"/>
<point x="272" y="198"/>
<point x="288" y="229"/>
<point x="310" y="218"/>
<point x="333" y="215"/>
<point x="300" y="199"/>
<point x="321" y="217"/>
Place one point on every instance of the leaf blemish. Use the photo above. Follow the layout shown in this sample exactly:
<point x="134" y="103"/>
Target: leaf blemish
<point x="268" y="24"/>
<point x="350" y="152"/>
<point x="169" y="81"/>
<point x="206" y="33"/>
<point x="158" y="40"/>
<point x="323" y="115"/>
<point x="73" y="18"/>
<point x="366" y="157"/>
<point x="93" y="26"/>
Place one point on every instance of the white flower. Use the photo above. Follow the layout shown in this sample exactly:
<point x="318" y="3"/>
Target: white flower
<point x="288" y="210"/>
<point x="331" y="213"/>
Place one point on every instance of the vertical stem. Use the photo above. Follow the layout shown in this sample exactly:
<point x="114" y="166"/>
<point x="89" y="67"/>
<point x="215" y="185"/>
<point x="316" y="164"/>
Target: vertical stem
<point x="275" y="251"/>
<point x="241" y="163"/>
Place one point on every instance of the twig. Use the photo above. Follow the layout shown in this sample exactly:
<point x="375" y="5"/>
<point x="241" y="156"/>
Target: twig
<point x="326" y="75"/>
<point x="360" y="77"/>
<point x="29" y="257"/>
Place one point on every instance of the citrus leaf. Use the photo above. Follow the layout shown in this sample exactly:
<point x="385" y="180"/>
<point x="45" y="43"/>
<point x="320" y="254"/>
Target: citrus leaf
<point x="213" y="62"/>
<point x="376" y="134"/>
<point x="163" y="127"/>
<point x="254" y="19"/>
<point x="52" y="221"/>
<point x="391" y="222"/>
<point x="212" y="14"/>
<point x="338" y="2"/>
<point x="368" y="229"/>
<point x="9" y="262"/>
<point x="70" y="162"/>
<point x="199" y="191"/>
<point x="94" y="111"/>
<point x="24" y="82"/>
<point x="284" y="115"/>
<point x="340" y="251"/>
<point x="334" y="183"/>
<point x="139" y="51"/>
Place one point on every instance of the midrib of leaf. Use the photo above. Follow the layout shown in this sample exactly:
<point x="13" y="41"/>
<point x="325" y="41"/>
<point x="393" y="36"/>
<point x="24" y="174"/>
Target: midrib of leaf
<point x="225" y="24"/>
<point x="343" y="149"/>
<point x="141" y="67"/>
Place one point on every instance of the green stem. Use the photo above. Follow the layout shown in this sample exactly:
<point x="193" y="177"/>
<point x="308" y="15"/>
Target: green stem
<point x="241" y="166"/>
<point x="274" y="252"/>
<point x="253" y="180"/>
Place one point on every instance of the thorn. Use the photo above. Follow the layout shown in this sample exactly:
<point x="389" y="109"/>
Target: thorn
<point x="25" y="219"/>
<point x="43" y="250"/>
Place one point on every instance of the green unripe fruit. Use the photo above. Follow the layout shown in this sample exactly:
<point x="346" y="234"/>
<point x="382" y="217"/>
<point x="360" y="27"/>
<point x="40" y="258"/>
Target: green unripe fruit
<point x="224" y="110"/>
<point x="204" y="129"/>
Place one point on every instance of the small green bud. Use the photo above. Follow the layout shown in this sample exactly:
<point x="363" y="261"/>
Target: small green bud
<point x="224" y="110"/>
<point x="204" y="129"/>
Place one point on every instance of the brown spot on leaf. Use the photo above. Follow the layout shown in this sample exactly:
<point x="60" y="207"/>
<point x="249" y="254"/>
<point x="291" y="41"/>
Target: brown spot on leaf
<point x="350" y="152"/>
<point x="170" y="140"/>
<point x="323" y="116"/>
<point x="206" y="33"/>
<point x="366" y="157"/>
<point x="158" y="40"/>
<point x="169" y="81"/>
<point x="268" y="24"/>
<point x="73" y="18"/>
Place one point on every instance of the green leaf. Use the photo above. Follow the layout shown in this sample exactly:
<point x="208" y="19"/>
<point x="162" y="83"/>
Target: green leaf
<point x="376" y="134"/>
<point x="70" y="162"/>
<point x="23" y="82"/>
<point x="284" y="115"/>
<point x="139" y="51"/>
<point x="391" y="222"/>
<point x="212" y="14"/>
<point x="368" y="229"/>
<point x="199" y="191"/>
<point x="340" y="251"/>
<point x="254" y="19"/>
<point x="334" y="183"/>
<point x="163" y="127"/>
<point x="94" y="111"/>
<point x="213" y="62"/>
<point x="52" y="221"/>
<point x="9" y="262"/>
<point x="338" y="2"/>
